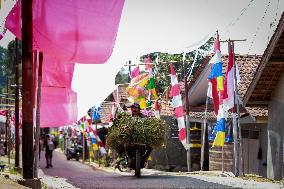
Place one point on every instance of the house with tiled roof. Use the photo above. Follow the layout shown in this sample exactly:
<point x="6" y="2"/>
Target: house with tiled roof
<point x="267" y="90"/>
<point x="252" y="119"/>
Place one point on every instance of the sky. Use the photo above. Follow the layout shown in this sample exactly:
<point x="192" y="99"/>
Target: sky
<point x="170" y="26"/>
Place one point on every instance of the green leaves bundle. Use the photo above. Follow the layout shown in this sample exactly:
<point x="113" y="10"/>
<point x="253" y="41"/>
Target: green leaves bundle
<point x="128" y="130"/>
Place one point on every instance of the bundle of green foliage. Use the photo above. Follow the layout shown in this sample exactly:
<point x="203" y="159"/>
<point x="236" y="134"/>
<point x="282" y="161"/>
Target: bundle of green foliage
<point x="128" y="131"/>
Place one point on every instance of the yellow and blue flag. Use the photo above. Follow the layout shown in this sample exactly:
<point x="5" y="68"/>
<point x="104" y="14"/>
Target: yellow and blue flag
<point x="219" y="131"/>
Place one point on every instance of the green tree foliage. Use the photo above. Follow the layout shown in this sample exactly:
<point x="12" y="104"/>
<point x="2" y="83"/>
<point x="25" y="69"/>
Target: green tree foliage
<point x="3" y="54"/>
<point x="7" y="64"/>
<point x="121" y="77"/>
<point x="163" y="70"/>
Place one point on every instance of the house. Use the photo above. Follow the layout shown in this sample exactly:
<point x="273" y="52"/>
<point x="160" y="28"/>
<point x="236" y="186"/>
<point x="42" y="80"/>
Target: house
<point x="267" y="90"/>
<point x="252" y="119"/>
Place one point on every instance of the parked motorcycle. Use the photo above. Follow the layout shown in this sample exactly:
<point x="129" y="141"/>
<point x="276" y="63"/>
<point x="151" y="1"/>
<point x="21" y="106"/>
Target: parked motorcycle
<point x="73" y="153"/>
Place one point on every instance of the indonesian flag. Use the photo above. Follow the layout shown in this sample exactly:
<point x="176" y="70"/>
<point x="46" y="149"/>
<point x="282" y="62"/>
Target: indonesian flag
<point x="228" y="93"/>
<point x="229" y="84"/>
<point x="177" y="104"/>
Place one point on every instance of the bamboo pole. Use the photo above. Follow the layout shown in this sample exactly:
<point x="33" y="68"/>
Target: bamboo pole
<point x="241" y="171"/>
<point x="17" y="118"/>
<point x="37" y="133"/>
<point x="222" y="159"/>
<point x="203" y="136"/>
<point x="187" y="124"/>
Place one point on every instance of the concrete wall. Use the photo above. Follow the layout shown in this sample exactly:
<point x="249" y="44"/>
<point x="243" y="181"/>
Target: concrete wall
<point x="276" y="132"/>
<point x="171" y="157"/>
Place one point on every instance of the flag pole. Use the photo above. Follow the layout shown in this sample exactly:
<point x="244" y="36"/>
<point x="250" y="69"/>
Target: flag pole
<point x="37" y="132"/>
<point x="235" y="131"/>
<point x="187" y="124"/>
<point x="238" y="116"/>
<point x="203" y="135"/>
<point x="222" y="159"/>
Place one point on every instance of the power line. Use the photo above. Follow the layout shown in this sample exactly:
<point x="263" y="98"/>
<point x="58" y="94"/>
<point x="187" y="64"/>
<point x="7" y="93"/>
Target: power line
<point x="242" y="12"/>
<point x="259" y="26"/>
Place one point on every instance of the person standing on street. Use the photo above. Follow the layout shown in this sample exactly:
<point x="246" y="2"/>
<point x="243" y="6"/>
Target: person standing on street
<point x="49" y="145"/>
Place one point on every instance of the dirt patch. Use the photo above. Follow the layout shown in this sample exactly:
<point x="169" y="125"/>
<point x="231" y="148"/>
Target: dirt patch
<point x="10" y="184"/>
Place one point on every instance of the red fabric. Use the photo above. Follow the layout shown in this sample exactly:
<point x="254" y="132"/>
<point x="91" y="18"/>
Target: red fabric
<point x="215" y="95"/>
<point x="148" y="63"/>
<point x="179" y="112"/>
<point x="217" y="44"/>
<point x="229" y="67"/>
<point x="182" y="134"/>
<point x="175" y="90"/>
<point x="173" y="72"/>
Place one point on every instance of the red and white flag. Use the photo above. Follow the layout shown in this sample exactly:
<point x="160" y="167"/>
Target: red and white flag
<point x="229" y="84"/>
<point x="177" y="104"/>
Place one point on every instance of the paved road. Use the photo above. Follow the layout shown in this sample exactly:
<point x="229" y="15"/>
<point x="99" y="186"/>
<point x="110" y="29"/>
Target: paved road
<point x="84" y="176"/>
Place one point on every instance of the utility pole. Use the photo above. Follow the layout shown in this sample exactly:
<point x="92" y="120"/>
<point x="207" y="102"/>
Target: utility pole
<point x="37" y="133"/>
<point x="17" y="141"/>
<point x="187" y="124"/>
<point x="28" y="92"/>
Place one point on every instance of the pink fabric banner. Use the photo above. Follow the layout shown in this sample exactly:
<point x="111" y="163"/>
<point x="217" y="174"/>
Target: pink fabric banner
<point x="135" y="72"/>
<point x="67" y="32"/>
<point x="175" y="90"/>
<point x="73" y="31"/>
<point x="56" y="73"/>
<point x="13" y="20"/>
<point x="58" y="107"/>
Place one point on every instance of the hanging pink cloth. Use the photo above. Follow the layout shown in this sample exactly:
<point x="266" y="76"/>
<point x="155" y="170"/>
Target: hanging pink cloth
<point x="67" y="32"/>
<point x="55" y="73"/>
<point x="73" y="31"/>
<point x="58" y="107"/>
<point x="13" y="20"/>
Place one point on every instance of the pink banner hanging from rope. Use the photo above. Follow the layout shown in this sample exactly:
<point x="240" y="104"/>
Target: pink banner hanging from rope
<point x="73" y="31"/>
<point x="56" y="73"/>
<point x="58" y="107"/>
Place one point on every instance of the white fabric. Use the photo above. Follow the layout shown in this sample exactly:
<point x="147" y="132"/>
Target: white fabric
<point x="222" y="113"/>
<point x="174" y="80"/>
<point x="216" y="58"/>
<point x="176" y="101"/>
<point x="209" y="90"/>
<point x="181" y="123"/>
<point x="157" y="114"/>
<point x="229" y="102"/>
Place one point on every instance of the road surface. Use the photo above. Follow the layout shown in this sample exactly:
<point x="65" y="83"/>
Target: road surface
<point x="84" y="176"/>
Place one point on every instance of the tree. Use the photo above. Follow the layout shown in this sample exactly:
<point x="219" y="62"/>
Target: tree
<point x="7" y="64"/>
<point x="163" y="71"/>
<point x="122" y="76"/>
<point x="3" y="54"/>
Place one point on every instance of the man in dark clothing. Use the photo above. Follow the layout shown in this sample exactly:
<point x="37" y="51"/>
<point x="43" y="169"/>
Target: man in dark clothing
<point x="49" y="145"/>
